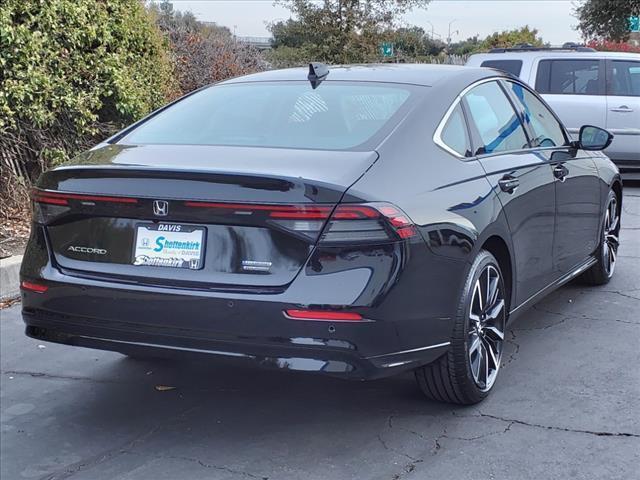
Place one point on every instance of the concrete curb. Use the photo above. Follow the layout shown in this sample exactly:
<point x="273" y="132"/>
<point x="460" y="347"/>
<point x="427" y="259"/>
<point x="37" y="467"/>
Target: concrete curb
<point x="10" y="277"/>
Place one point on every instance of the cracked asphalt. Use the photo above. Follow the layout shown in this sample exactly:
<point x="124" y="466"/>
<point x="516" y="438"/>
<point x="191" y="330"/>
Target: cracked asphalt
<point x="565" y="406"/>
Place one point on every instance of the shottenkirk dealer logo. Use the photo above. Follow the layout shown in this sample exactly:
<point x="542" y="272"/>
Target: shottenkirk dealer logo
<point x="160" y="208"/>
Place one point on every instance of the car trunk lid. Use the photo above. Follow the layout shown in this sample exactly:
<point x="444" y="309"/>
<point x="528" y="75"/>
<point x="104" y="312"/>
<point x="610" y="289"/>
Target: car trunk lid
<point x="198" y="216"/>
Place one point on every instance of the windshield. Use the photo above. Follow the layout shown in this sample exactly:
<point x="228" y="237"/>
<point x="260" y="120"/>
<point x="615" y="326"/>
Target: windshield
<point x="335" y="116"/>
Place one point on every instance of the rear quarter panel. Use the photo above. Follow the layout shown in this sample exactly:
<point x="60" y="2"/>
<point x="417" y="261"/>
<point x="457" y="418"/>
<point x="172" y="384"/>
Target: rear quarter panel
<point x="450" y="200"/>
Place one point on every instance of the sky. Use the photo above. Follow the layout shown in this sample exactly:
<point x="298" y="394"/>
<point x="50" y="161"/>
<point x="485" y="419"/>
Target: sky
<point x="553" y="18"/>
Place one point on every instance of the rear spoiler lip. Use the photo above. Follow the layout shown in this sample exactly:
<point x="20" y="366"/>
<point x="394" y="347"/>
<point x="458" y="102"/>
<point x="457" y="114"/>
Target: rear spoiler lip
<point x="325" y="192"/>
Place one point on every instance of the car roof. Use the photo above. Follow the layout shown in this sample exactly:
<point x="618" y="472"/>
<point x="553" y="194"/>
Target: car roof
<point x="528" y="55"/>
<point x="408" y="73"/>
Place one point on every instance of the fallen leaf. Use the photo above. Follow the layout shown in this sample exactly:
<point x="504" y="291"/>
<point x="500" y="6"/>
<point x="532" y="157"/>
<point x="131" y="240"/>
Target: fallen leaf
<point x="164" y="388"/>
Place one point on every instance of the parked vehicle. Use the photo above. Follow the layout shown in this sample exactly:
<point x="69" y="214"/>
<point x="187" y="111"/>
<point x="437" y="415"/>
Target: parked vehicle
<point x="582" y="86"/>
<point x="359" y="222"/>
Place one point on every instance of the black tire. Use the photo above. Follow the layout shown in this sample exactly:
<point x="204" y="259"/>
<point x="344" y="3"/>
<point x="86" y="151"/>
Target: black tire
<point x="450" y="378"/>
<point x="606" y="254"/>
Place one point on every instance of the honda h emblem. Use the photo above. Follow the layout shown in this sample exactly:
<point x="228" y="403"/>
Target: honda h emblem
<point x="160" y="208"/>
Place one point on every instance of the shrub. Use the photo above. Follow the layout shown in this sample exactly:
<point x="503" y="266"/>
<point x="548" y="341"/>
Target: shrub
<point x="611" y="46"/>
<point x="72" y="72"/>
<point x="203" y="53"/>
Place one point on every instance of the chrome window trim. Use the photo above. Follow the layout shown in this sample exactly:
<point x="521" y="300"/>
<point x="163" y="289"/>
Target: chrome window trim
<point x="518" y="151"/>
<point x="437" y="136"/>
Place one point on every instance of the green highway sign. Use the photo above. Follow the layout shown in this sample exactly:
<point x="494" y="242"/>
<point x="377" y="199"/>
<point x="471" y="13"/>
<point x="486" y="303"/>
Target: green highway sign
<point x="634" y="24"/>
<point x="386" y="49"/>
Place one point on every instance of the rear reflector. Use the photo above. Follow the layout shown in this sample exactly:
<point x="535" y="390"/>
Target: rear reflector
<point x="33" y="287"/>
<point x="323" y="315"/>
<point x="57" y="198"/>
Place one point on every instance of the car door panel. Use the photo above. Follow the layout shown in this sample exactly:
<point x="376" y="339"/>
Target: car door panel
<point x="575" y="177"/>
<point x="575" y="111"/>
<point x="522" y="180"/>
<point x="575" y="89"/>
<point x="623" y="109"/>
<point x="530" y="209"/>
<point x="578" y="209"/>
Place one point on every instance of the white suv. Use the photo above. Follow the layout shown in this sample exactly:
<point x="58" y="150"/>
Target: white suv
<point x="583" y="86"/>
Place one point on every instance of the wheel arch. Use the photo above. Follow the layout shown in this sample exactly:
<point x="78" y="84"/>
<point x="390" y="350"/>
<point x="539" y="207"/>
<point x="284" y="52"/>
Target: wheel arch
<point x="616" y="186"/>
<point x="499" y="248"/>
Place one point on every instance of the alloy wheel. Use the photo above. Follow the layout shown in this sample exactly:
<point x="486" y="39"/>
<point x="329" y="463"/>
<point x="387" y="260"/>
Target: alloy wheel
<point x="487" y="317"/>
<point x="610" y="240"/>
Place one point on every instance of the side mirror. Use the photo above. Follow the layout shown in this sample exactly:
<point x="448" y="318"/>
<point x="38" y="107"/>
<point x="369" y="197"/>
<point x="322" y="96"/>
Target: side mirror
<point x="593" y="138"/>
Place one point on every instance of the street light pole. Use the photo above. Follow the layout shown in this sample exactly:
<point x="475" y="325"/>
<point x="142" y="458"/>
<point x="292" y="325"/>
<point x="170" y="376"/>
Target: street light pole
<point x="449" y="34"/>
<point x="432" y="29"/>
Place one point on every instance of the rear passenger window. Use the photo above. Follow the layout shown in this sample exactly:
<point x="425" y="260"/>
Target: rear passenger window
<point x="495" y="119"/>
<point x="570" y="77"/>
<point x="454" y="133"/>
<point x="625" y="79"/>
<point x="547" y="131"/>
<point x="510" y="66"/>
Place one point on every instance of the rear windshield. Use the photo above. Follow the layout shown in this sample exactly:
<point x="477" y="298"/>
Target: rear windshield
<point x="510" y="66"/>
<point x="335" y="116"/>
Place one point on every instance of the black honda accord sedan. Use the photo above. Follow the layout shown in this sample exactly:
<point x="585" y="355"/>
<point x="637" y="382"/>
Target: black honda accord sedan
<point x="358" y="221"/>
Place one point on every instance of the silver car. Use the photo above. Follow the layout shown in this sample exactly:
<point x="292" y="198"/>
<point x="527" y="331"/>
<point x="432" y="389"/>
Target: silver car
<point x="583" y="86"/>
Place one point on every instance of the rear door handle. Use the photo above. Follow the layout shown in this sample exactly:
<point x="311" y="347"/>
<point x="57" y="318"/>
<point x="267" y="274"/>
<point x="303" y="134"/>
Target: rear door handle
<point x="622" y="109"/>
<point x="508" y="183"/>
<point x="560" y="172"/>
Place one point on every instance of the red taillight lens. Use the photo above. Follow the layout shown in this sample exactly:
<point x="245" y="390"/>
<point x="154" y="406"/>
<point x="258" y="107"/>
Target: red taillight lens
<point x="48" y="205"/>
<point x="399" y="221"/>
<point x="57" y="198"/>
<point x="49" y="200"/>
<point x="273" y="211"/>
<point x="323" y="315"/>
<point x="376" y="222"/>
<point x="346" y="223"/>
<point x="33" y="287"/>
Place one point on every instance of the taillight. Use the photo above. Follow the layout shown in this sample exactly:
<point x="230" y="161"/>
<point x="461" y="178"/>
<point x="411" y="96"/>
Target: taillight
<point x="346" y="223"/>
<point x="375" y="222"/>
<point x="58" y="198"/>
<point x="48" y="205"/>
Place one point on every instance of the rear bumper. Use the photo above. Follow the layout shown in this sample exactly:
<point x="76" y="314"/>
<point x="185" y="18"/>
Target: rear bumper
<point x="109" y="317"/>
<point x="313" y="355"/>
<point x="408" y="322"/>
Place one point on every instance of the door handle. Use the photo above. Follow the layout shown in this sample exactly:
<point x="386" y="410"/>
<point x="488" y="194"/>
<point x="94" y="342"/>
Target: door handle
<point x="622" y="109"/>
<point x="508" y="183"/>
<point x="560" y="172"/>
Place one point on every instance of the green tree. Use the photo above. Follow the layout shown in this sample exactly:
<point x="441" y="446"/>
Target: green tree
<point x="408" y="41"/>
<point x="466" y="47"/>
<point x="340" y="31"/>
<point x="606" y="19"/>
<point x="511" y="38"/>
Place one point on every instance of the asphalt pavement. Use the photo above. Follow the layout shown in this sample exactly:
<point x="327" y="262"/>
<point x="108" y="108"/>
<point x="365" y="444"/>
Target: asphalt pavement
<point x="565" y="406"/>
